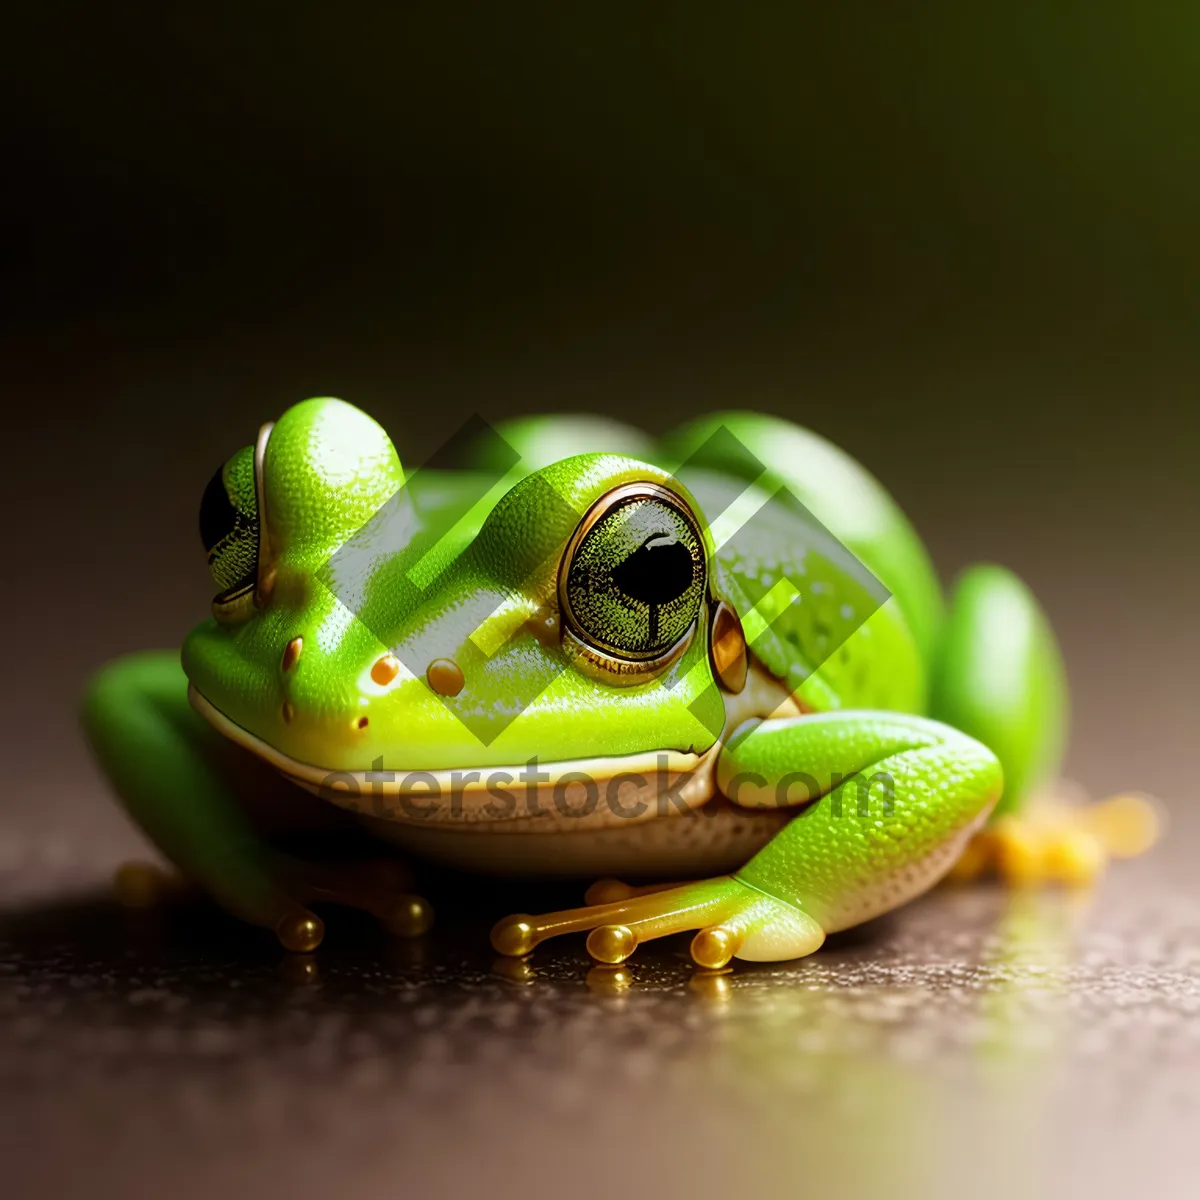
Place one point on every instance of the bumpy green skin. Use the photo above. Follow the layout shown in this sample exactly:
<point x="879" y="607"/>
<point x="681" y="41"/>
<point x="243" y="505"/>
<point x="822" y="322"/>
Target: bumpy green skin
<point x="915" y="691"/>
<point x="914" y="788"/>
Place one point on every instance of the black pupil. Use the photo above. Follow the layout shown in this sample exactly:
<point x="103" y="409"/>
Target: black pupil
<point x="656" y="573"/>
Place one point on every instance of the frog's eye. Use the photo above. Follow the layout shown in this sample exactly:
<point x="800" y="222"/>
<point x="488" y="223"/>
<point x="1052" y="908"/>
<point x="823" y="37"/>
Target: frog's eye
<point x="229" y="529"/>
<point x="633" y="576"/>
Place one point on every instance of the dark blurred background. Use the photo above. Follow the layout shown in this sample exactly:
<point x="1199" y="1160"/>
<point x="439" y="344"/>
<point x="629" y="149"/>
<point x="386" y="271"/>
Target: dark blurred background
<point x="961" y="241"/>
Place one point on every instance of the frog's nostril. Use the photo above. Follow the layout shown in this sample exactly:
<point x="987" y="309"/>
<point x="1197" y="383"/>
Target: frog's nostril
<point x="291" y="652"/>
<point x="362" y="722"/>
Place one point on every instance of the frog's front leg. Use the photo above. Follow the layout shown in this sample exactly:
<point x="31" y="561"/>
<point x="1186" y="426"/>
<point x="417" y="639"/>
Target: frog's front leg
<point x="899" y="797"/>
<point x="193" y="793"/>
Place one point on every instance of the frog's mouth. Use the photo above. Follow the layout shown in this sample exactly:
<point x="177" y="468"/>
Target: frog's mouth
<point x="584" y="793"/>
<point x="535" y="797"/>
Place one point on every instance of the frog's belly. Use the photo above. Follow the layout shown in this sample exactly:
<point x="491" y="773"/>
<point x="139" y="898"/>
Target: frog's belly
<point x="715" y="837"/>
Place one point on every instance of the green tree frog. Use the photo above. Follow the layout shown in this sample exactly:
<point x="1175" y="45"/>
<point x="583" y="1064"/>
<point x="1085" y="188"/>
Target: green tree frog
<point x="721" y="659"/>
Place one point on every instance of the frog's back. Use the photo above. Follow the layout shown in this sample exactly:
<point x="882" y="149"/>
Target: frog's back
<point x="844" y="641"/>
<point x="842" y="494"/>
<point x="814" y="614"/>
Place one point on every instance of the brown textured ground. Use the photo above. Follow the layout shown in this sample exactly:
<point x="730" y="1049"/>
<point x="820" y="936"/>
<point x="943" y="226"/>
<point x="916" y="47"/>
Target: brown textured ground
<point x="974" y="1044"/>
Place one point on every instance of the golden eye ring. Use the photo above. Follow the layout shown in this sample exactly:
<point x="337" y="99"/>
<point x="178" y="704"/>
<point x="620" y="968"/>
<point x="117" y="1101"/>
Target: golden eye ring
<point x="238" y="603"/>
<point x="632" y="586"/>
<point x="621" y="671"/>
<point x="265" y="582"/>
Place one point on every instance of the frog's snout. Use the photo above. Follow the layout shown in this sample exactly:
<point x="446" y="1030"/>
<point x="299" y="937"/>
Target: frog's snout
<point x="383" y="671"/>
<point x="443" y="676"/>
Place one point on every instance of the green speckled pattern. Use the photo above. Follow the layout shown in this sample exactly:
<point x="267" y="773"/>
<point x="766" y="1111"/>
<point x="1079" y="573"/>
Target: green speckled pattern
<point x="328" y="468"/>
<point x="836" y="646"/>
<point x="847" y="858"/>
<point x="846" y="498"/>
<point x="601" y="603"/>
<point x="233" y="557"/>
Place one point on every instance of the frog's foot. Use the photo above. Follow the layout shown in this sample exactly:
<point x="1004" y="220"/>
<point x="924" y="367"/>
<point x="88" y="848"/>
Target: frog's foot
<point x="1056" y="842"/>
<point x="733" y="920"/>
<point x="380" y="887"/>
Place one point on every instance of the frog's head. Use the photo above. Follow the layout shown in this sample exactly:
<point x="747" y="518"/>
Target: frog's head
<point x="454" y="621"/>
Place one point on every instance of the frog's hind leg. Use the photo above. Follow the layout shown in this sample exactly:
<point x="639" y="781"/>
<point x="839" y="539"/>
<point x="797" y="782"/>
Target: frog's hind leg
<point x="204" y="802"/>
<point x="999" y="677"/>
<point x="378" y="886"/>
<point x="898" y="797"/>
